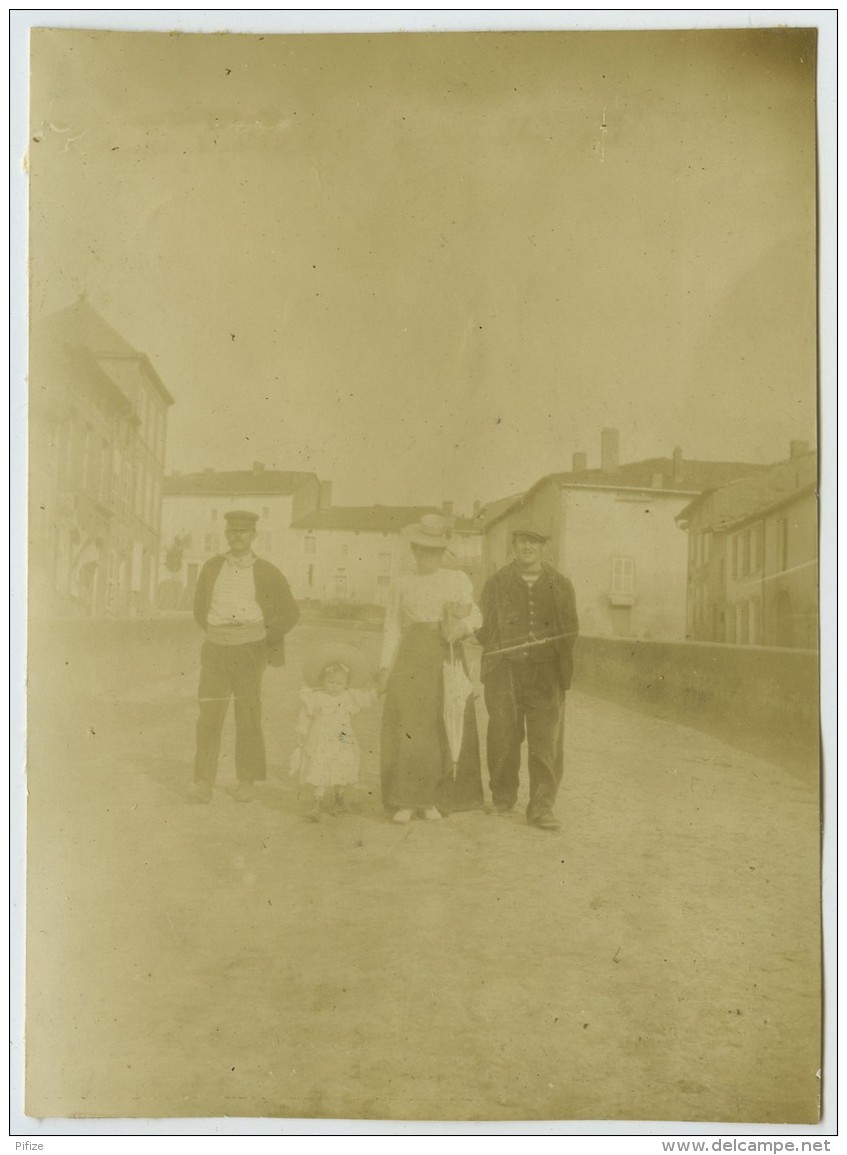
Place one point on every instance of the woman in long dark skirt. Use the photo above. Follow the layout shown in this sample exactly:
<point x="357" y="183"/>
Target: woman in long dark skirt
<point x="429" y="609"/>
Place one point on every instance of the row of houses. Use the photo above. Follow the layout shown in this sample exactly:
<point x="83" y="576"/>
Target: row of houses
<point x="330" y="554"/>
<point x="660" y="548"/>
<point x="746" y="574"/>
<point x="98" y="432"/>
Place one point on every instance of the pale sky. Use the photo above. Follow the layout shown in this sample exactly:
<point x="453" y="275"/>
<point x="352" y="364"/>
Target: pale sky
<point x="432" y="267"/>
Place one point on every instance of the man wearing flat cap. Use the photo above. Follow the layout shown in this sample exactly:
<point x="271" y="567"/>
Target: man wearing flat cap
<point x="529" y="626"/>
<point x="245" y="606"/>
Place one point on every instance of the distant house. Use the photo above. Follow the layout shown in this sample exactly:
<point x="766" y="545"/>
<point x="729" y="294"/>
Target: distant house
<point x="354" y="553"/>
<point x="98" y="423"/>
<point x="753" y="557"/>
<point x="193" y="525"/>
<point x="613" y="532"/>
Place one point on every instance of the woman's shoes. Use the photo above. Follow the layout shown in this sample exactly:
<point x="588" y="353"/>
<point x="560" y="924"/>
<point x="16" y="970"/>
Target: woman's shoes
<point x="402" y="816"/>
<point x="432" y="814"/>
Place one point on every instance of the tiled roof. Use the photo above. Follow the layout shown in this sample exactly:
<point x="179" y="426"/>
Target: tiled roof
<point x="239" y="481"/>
<point x="365" y="518"/>
<point x="80" y="327"/>
<point x="691" y="477"/>
<point x="751" y="495"/>
<point x="493" y="510"/>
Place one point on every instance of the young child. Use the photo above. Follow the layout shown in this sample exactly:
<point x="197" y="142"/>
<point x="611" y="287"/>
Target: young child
<point x="327" y="754"/>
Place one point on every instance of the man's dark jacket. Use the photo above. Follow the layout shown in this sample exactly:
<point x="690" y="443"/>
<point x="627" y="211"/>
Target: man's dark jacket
<point x="279" y="610"/>
<point x="503" y="619"/>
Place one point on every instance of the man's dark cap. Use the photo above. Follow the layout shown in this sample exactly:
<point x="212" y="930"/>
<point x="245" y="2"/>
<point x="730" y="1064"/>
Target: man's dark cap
<point x="240" y="519"/>
<point x="530" y="529"/>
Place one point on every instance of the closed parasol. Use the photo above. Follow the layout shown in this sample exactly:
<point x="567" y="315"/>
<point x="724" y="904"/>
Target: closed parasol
<point x="457" y="689"/>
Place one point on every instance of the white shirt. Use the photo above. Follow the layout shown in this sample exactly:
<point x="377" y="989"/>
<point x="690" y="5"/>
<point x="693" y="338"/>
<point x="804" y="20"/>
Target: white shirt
<point x="419" y="597"/>
<point x="234" y="596"/>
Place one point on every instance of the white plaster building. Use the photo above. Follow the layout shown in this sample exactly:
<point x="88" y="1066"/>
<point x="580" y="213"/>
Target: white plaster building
<point x="193" y="509"/>
<point x="614" y="534"/>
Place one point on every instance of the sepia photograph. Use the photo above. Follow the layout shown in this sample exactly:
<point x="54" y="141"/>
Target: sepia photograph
<point x="423" y="670"/>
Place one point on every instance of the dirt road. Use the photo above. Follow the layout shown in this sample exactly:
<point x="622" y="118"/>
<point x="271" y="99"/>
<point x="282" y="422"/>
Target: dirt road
<point x="657" y="959"/>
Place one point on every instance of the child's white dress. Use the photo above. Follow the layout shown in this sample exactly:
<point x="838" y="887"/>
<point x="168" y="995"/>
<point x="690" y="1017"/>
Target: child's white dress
<point x="329" y="755"/>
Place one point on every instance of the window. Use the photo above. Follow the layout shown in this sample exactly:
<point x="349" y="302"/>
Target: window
<point x="126" y="492"/>
<point x="757" y="547"/>
<point x="623" y="577"/>
<point x="782" y="544"/>
<point x="746" y="548"/>
<point x="309" y="544"/>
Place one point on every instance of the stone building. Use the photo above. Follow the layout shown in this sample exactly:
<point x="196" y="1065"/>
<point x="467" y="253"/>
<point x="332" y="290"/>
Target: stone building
<point x="614" y="533"/>
<point x="353" y="554"/>
<point x="753" y="557"/>
<point x="98" y="427"/>
<point x="193" y="509"/>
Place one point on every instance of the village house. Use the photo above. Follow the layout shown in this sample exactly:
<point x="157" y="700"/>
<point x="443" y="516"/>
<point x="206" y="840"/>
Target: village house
<point x="353" y="554"/>
<point x="753" y="557"/>
<point x="613" y="532"/>
<point x="98" y="424"/>
<point x="193" y="509"/>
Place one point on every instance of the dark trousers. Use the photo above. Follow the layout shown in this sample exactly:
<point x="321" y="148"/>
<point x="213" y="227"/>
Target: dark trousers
<point x="231" y="672"/>
<point x="525" y="700"/>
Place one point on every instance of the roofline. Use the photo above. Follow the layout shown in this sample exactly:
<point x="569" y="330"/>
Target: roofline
<point x="786" y="499"/>
<point x="232" y="493"/>
<point x="550" y="477"/>
<point x="146" y="363"/>
<point x="683" y="519"/>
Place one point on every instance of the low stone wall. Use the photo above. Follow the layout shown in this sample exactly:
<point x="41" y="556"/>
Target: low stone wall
<point x="761" y="697"/>
<point x="748" y="694"/>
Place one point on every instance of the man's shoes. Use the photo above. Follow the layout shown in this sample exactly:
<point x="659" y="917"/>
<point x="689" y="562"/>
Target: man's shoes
<point x="432" y="814"/>
<point x="243" y="792"/>
<point x="500" y="810"/>
<point x="199" y="791"/>
<point x="402" y="816"/>
<point x="547" y="821"/>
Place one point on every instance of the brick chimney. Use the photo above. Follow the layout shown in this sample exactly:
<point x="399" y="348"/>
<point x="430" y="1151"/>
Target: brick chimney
<point x="325" y="498"/>
<point x="676" y="473"/>
<point x="798" y="448"/>
<point x="609" y="450"/>
<point x="580" y="462"/>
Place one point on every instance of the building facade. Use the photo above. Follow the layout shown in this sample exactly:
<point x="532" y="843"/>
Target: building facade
<point x="753" y="558"/>
<point x="353" y="554"/>
<point x="613" y="532"/>
<point x="98" y="432"/>
<point x="193" y="509"/>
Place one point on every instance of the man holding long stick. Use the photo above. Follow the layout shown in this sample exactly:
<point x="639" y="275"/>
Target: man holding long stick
<point x="529" y="626"/>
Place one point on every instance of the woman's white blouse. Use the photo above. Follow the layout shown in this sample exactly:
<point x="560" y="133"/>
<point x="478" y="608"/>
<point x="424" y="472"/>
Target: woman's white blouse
<point x="419" y="597"/>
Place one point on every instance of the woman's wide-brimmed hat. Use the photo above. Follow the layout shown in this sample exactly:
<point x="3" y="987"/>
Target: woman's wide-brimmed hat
<point x="336" y="654"/>
<point x="432" y="532"/>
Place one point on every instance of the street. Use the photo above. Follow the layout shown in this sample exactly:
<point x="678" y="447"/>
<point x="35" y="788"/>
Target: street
<point x="656" y="959"/>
